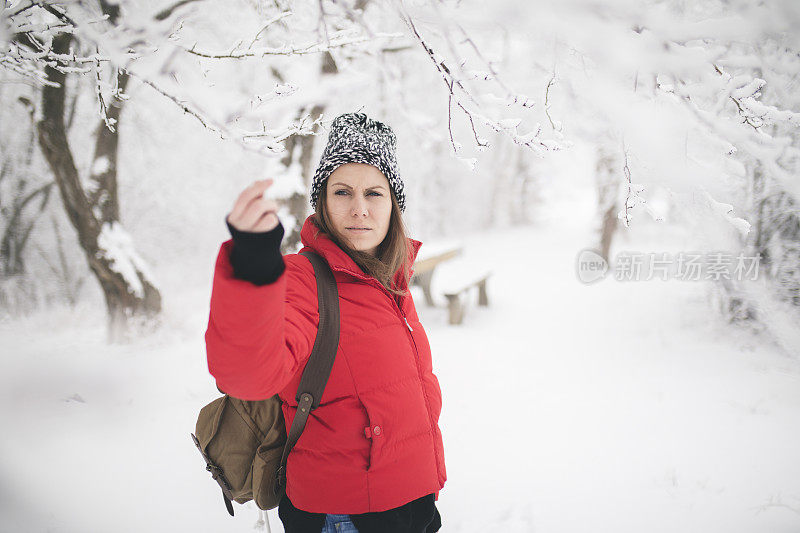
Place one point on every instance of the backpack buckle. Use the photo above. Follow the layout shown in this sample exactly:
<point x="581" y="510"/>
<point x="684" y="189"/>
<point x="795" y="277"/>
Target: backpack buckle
<point x="280" y="478"/>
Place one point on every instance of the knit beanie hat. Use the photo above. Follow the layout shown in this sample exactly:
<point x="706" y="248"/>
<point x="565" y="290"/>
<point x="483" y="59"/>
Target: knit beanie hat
<point x="354" y="138"/>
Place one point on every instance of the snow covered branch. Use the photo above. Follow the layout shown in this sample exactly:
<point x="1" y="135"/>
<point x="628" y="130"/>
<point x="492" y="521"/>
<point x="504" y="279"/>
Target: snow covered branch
<point x="463" y="97"/>
<point x="337" y="41"/>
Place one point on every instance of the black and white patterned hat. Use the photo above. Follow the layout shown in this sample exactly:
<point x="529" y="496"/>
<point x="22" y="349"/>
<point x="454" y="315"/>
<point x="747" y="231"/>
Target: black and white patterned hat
<point x="355" y="138"/>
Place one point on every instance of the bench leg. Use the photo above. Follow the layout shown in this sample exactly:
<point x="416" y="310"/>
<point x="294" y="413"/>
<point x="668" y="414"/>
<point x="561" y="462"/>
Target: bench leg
<point x="483" y="298"/>
<point x="424" y="281"/>
<point x="455" y="308"/>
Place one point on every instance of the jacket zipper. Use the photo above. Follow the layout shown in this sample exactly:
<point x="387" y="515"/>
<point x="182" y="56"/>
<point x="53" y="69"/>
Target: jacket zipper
<point x="374" y="282"/>
<point x="424" y="394"/>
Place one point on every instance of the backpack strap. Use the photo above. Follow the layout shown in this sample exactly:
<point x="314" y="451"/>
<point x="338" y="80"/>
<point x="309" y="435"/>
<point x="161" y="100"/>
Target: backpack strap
<point x="318" y="368"/>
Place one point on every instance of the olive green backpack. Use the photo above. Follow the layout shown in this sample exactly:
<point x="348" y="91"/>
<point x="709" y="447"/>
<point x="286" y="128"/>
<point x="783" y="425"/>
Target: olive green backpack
<point x="244" y="443"/>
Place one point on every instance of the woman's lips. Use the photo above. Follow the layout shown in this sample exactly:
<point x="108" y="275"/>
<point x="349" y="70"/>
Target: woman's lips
<point x="358" y="230"/>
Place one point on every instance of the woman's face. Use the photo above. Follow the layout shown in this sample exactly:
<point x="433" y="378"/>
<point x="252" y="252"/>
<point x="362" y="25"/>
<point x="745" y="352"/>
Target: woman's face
<point x="359" y="205"/>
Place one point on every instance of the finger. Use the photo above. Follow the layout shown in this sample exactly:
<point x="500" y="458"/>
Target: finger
<point x="252" y="192"/>
<point x="267" y="223"/>
<point x="257" y="209"/>
<point x="254" y="210"/>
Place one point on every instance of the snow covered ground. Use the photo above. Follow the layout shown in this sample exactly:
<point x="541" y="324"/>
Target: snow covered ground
<point x="568" y="408"/>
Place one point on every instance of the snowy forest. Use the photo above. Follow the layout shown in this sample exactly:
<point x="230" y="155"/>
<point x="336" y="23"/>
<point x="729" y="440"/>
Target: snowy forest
<point x="624" y="175"/>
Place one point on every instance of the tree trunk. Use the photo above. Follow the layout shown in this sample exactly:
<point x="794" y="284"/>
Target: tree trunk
<point x="18" y="229"/>
<point x="502" y="183"/>
<point x="19" y="221"/>
<point x="608" y="187"/>
<point x="95" y="216"/>
<point x="298" y="202"/>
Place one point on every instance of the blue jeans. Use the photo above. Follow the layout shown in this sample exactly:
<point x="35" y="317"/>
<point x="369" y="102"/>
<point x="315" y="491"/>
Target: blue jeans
<point x="338" y="523"/>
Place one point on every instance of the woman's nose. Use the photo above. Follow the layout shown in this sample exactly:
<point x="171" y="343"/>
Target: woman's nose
<point x="359" y="207"/>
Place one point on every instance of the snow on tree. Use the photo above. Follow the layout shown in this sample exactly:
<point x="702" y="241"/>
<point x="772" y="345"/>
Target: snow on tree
<point x="692" y="100"/>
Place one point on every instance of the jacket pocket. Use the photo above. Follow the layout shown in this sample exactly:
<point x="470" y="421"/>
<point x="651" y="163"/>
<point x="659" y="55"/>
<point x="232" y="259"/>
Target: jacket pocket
<point x="375" y="433"/>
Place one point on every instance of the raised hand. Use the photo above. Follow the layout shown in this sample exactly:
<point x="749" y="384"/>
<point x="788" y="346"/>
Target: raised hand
<point x="252" y="212"/>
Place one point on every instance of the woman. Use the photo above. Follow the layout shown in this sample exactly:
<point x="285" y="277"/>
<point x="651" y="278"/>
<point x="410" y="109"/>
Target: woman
<point x="371" y="457"/>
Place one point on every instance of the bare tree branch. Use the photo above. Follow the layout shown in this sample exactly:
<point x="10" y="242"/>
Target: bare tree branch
<point x="470" y="108"/>
<point x="315" y="48"/>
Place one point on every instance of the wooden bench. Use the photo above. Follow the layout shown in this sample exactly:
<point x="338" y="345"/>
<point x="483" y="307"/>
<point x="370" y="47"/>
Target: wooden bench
<point x="426" y="263"/>
<point x="456" y="289"/>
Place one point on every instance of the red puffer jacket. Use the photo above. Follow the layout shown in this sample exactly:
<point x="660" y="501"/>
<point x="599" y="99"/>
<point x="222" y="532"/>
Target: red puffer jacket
<point x="374" y="442"/>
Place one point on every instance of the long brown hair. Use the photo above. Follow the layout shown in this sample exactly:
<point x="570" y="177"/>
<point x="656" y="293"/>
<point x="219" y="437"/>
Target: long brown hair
<point x="392" y="253"/>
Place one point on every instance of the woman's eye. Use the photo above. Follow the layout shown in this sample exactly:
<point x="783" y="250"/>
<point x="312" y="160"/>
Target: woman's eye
<point x="343" y="191"/>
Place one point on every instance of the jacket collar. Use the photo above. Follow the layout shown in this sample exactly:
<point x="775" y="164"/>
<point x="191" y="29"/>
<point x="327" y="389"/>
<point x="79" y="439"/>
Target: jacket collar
<point x="318" y="242"/>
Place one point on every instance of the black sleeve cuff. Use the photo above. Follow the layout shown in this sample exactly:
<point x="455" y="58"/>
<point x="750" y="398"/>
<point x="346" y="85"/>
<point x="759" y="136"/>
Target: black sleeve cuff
<point x="256" y="256"/>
